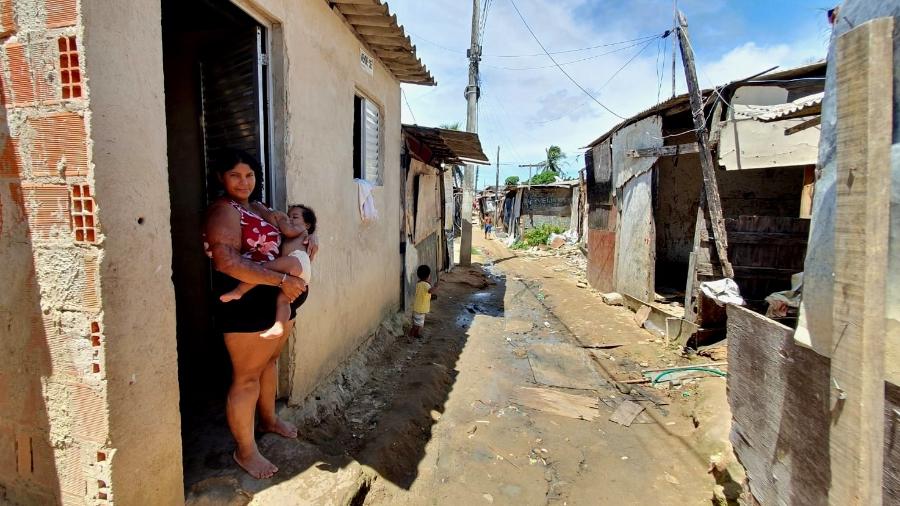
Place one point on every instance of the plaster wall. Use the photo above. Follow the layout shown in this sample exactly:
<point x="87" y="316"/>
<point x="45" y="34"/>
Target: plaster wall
<point x="123" y="54"/>
<point x="356" y="277"/>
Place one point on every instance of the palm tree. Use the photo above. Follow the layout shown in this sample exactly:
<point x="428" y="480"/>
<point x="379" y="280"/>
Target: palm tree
<point x="555" y="156"/>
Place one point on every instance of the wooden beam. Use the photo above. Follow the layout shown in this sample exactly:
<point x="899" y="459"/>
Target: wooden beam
<point x="366" y="20"/>
<point x="676" y="150"/>
<point x="864" y="101"/>
<point x="711" y="202"/>
<point x="385" y="31"/>
<point x="803" y="126"/>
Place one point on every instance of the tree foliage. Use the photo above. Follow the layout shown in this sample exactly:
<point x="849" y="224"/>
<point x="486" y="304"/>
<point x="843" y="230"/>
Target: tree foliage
<point x="451" y="126"/>
<point x="555" y="156"/>
<point x="512" y="180"/>
<point x="545" y="177"/>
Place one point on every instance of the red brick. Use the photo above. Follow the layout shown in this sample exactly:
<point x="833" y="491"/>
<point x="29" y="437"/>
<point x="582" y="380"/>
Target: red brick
<point x="61" y="13"/>
<point x="89" y="414"/>
<point x="23" y="455"/>
<point x="10" y="163"/>
<point x="69" y="68"/>
<point x="47" y="209"/>
<point x="84" y="219"/>
<point x="28" y="83"/>
<point x="59" y="138"/>
<point x="90" y="292"/>
<point x="7" y="18"/>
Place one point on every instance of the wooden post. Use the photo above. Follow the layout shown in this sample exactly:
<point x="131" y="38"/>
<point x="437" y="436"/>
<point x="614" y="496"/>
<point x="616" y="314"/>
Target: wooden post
<point x="864" y="126"/>
<point x="711" y="194"/>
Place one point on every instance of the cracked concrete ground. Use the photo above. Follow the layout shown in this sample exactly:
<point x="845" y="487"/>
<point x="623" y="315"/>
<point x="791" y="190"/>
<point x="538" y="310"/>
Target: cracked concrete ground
<point x="439" y="421"/>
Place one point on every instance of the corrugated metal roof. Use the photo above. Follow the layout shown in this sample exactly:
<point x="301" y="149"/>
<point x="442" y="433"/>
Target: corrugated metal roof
<point x="788" y="74"/>
<point x="449" y="146"/>
<point x="804" y="106"/>
<point x="378" y="29"/>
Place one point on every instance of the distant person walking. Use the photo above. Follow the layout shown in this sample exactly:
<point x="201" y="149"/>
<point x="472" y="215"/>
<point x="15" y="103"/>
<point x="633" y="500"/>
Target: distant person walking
<point x="488" y="226"/>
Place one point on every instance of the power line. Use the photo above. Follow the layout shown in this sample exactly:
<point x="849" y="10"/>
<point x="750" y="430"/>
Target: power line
<point x="403" y="92"/>
<point x="558" y="65"/>
<point x="419" y="38"/>
<point x="629" y="61"/>
<point x="577" y="50"/>
<point x="592" y="57"/>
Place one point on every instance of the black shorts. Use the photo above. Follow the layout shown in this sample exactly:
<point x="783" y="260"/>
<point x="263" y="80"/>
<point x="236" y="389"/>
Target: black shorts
<point x="253" y="312"/>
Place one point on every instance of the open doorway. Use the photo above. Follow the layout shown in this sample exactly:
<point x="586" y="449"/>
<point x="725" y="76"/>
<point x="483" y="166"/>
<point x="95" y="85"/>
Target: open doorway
<point x="216" y="79"/>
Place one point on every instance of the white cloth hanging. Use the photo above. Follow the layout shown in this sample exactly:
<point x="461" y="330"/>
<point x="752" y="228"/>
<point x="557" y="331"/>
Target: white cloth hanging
<point x="367" y="210"/>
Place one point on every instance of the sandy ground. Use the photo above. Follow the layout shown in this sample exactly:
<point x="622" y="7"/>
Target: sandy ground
<point x="442" y="421"/>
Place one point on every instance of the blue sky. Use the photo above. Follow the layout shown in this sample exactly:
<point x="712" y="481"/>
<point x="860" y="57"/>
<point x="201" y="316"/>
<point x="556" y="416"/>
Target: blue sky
<point x="524" y="109"/>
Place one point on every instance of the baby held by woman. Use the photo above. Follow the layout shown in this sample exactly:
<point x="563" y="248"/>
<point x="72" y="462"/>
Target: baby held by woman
<point x="294" y="261"/>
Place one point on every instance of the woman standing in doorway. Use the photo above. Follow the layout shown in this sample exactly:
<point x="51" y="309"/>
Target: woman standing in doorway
<point x="240" y="235"/>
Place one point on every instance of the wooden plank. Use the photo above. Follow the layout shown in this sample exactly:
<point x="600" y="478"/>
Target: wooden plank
<point x="563" y="365"/>
<point x="711" y="194"/>
<point x="764" y="238"/>
<point x="743" y="271"/>
<point x="891" y="443"/>
<point x="626" y="413"/>
<point x="803" y="126"/>
<point x="579" y="407"/>
<point x="778" y="394"/>
<point x="864" y="126"/>
<point x="676" y="150"/>
<point x="371" y="20"/>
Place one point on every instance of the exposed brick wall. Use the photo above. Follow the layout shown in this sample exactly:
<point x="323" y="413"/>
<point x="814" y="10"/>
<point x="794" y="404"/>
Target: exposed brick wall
<point x="53" y="407"/>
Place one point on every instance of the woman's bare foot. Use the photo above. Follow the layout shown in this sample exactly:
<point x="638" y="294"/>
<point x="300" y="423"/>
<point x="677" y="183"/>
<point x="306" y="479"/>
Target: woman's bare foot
<point x="275" y="332"/>
<point x="230" y="296"/>
<point x="256" y="465"/>
<point x="282" y="428"/>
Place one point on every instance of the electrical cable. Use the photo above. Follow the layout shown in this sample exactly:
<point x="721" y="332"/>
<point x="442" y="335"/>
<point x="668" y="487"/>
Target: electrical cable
<point x="576" y="83"/>
<point x="586" y="58"/>
<point x="639" y="40"/>
<point x="403" y="92"/>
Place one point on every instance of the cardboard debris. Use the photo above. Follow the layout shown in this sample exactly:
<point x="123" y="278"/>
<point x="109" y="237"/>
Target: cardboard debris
<point x="626" y="413"/>
<point x="578" y="407"/>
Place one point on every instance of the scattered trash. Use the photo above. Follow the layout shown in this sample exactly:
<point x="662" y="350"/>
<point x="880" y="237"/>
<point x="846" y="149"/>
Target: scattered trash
<point x="602" y="346"/>
<point x="547" y="324"/>
<point x="671" y="479"/>
<point x="722" y="291"/>
<point x="626" y="413"/>
<point x="613" y="299"/>
<point x="624" y="457"/>
<point x="641" y="315"/>
<point x="488" y="497"/>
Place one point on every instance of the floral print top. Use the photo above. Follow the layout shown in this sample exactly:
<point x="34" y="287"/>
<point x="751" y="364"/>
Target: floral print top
<point x="260" y="240"/>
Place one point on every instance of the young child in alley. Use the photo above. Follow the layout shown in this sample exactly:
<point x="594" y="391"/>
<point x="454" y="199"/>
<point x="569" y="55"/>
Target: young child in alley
<point x="422" y="304"/>
<point x="294" y="260"/>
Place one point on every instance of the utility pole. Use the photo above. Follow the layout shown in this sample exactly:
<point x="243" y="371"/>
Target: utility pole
<point x="472" y="92"/>
<point x="674" y="21"/>
<point x="710" y="201"/>
<point x="530" y="166"/>
<point x="497" y="191"/>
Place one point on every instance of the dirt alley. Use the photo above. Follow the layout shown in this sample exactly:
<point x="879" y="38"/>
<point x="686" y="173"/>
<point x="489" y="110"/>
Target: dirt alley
<point x="441" y="421"/>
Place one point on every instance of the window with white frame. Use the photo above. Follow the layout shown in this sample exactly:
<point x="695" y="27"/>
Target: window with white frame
<point x="366" y="140"/>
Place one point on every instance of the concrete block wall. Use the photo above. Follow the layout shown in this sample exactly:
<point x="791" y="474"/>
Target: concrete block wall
<point x="54" y="434"/>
